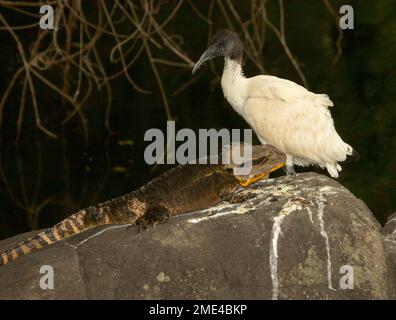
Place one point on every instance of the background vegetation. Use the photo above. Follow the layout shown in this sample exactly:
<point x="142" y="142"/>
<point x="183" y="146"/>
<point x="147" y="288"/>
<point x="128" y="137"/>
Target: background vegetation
<point x="75" y="102"/>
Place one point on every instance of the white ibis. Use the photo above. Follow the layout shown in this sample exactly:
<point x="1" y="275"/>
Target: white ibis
<point x="282" y="113"/>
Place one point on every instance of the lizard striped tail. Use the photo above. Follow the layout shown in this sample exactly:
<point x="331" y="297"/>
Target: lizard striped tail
<point x="74" y="224"/>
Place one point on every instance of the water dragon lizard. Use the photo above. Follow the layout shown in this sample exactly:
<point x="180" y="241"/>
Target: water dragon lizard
<point x="185" y="188"/>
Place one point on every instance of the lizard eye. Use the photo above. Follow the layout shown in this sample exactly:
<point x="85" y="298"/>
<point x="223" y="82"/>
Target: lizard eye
<point x="259" y="160"/>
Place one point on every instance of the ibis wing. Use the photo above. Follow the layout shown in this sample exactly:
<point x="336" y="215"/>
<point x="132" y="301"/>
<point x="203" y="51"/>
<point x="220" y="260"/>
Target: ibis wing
<point x="274" y="88"/>
<point x="297" y="128"/>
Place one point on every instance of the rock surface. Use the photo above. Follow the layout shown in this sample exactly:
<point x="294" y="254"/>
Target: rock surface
<point x="301" y="237"/>
<point x="389" y="232"/>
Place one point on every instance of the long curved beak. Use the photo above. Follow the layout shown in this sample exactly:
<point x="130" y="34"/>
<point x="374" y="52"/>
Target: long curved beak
<point x="210" y="53"/>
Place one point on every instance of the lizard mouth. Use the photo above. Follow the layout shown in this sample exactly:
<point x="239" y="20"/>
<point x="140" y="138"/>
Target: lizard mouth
<point x="247" y="182"/>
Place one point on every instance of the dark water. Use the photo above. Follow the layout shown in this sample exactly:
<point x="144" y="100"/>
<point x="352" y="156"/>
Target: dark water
<point x="44" y="180"/>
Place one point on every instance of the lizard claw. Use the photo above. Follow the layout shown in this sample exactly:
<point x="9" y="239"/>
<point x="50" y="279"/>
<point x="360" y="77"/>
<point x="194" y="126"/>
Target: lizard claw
<point x="236" y="197"/>
<point x="152" y="217"/>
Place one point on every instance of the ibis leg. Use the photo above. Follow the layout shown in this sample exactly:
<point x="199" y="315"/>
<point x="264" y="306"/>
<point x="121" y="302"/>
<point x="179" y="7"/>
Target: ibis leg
<point x="289" y="168"/>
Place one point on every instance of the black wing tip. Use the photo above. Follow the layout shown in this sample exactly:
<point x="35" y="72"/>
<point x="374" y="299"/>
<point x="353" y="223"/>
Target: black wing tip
<point x="354" y="156"/>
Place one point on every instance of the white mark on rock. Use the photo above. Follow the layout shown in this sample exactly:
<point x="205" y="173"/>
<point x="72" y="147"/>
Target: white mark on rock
<point x="162" y="277"/>
<point x="97" y="234"/>
<point x="310" y="214"/>
<point x="323" y="233"/>
<point x="238" y="210"/>
<point x="223" y="209"/>
<point x="329" y="190"/>
<point x="276" y="230"/>
<point x="287" y="208"/>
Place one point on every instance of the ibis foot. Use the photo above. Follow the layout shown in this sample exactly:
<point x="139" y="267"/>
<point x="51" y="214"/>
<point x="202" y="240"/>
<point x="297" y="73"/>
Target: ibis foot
<point x="289" y="169"/>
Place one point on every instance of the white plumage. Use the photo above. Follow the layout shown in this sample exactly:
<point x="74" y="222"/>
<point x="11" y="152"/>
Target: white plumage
<point x="282" y="113"/>
<point x="288" y="116"/>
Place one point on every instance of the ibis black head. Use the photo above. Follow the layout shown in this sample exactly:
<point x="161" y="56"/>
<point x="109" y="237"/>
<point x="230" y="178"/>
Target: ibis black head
<point x="224" y="43"/>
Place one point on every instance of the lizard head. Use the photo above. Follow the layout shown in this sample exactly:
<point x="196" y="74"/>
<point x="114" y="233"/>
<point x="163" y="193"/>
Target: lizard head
<point x="264" y="160"/>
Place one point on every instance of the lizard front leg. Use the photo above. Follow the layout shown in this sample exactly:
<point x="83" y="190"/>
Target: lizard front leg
<point x="236" y="197"/>
<point x="232" y="197"/>
<point x="153" y="216"/>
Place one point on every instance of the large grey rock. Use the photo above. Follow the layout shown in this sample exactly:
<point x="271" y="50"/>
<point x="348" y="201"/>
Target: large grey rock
<point x="289" y="240"/>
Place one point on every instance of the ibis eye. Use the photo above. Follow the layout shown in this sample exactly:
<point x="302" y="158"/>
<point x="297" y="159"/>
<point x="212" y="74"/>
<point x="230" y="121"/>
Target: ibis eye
<point x="221" y="44"/>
